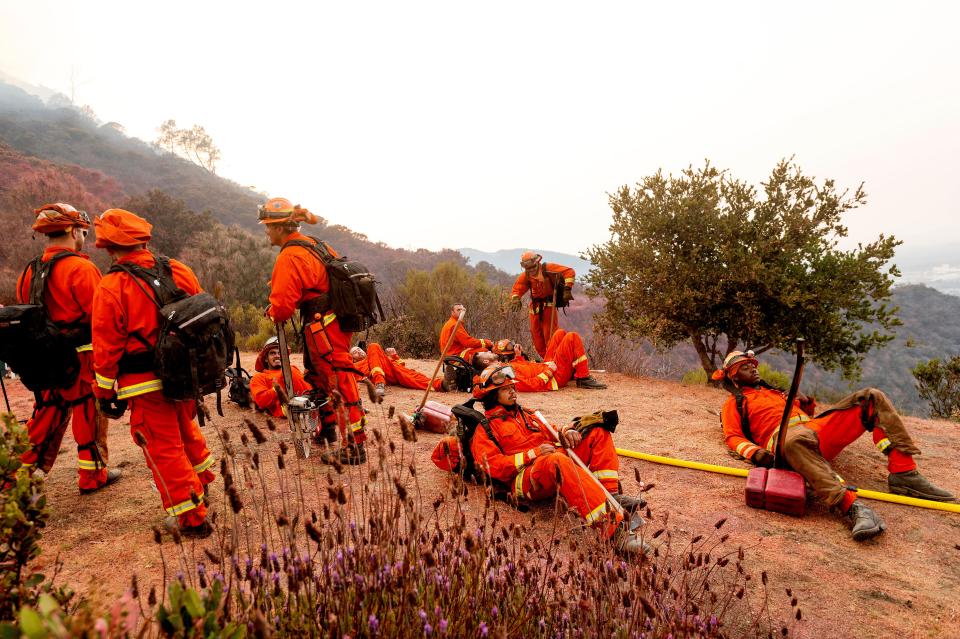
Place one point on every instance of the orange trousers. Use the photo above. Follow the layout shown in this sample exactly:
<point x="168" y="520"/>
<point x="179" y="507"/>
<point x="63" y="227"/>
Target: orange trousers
<point x="544" y="320"/>
<point x="176" y="453"/>
<point x="49" y="423"/>
<point x="384" y="370"/>
<point x="567" y="352"/>
<point x="329" y="367"/>
<point x="539" y="480"/>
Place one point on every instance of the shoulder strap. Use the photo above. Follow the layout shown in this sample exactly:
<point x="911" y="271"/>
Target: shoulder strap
<point x="41" y="275"/>
<point x="319" y="249"/>
<point x="160" y="278"/>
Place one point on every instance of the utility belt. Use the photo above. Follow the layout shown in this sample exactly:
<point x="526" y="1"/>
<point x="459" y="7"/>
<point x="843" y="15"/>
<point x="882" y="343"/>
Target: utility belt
<point x="538" y="303"/>
<point x="313" y="306"/>
<point x="140" y="362"/>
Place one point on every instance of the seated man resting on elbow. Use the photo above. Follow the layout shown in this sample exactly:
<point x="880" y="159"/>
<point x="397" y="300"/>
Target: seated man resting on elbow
<point x="266" y="386"/>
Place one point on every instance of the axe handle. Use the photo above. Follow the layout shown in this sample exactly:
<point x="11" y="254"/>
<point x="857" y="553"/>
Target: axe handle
<point x="778" y="460"/>
<point x="443" y="352"/>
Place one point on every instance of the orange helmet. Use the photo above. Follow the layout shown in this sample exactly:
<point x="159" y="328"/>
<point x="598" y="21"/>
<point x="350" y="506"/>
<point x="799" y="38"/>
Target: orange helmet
<point x="492" y="378"/>
<point x="276" y="210"/>
<point x="503" y="347"/>
<point x="732" y="363"/>
<point x="58" y="217"/>
<point x="529" y="259"/>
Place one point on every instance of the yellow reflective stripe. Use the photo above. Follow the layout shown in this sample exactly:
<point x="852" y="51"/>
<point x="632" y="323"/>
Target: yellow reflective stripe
<point x="329" y="317"/>
<point x="543" y="376"/>
<point x="84" y="348"/>
<point x="518" y="483"/>
<point x="606" y="474"/>
<point x="884" y="444"/>
<point x="464" y="352"/>
<point x="183" y="506"/>
<point x="139" y="389"/>
<point x="376" y="369"/>
<point x="582" y="358"/>
<point x="596" y="513"/>
<point x="356" y="426"/>
<point x="798" y="419"/>
<point x="568" y="280"/>
<point x="205" y="464"/>
<point x="743" y="449"/>
<point x="518" y="461"/>
<point x="104" y="382"/>
<point x="88" y="464"/>
<point x="553" y="384"/>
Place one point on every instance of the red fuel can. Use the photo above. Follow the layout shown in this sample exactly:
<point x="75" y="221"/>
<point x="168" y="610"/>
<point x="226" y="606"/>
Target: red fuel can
<point x="434" y="417"/>
<point x="779" y="490"/>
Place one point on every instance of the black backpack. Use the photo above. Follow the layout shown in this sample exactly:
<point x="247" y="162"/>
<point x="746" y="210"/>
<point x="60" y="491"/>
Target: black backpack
<point x="195" y="341"/>
<point x="464" y="371"/>
<point x="41" y="352"/>
<point x="468" y="419"/>
<point x="353" y="288"/>
<point x="239" y="379"/>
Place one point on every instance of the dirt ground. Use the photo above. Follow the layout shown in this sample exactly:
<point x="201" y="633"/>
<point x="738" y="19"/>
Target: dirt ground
<point x="902" y="584"/>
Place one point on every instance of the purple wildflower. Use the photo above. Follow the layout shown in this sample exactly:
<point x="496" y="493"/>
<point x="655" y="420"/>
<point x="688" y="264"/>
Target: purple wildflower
<point x="483" y="629"/>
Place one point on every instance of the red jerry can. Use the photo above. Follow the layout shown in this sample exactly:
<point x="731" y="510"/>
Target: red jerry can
<point x="776" y="489"/>
<point x="434" y="417"/>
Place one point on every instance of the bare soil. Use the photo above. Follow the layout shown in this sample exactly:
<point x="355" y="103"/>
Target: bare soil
<point x="903" y="584"/>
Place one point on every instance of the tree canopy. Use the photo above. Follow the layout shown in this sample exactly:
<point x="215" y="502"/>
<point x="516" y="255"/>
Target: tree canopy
<point x="708" y="258"/>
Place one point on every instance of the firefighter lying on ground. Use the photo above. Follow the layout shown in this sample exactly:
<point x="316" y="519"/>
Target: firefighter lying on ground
<point x="267" y="386"/>
<point x="523" y="456"/>
<point x="751" y="419"/>
<point x="383" y="366"/>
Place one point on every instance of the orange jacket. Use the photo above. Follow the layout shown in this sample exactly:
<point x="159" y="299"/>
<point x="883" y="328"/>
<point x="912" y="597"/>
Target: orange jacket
<point x="764" y="408"/>
<point x="462" y="341"/>
<point x="298" y="276"/>
<point x="70" y="291"/>
<point x="519" y="434"/>
<point x="540" y="288"/>
<point x="265" y="397"/>
<point x="121" y="310"/>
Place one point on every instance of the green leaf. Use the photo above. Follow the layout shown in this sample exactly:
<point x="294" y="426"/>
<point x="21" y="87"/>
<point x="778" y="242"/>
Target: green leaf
<point x="47" y="604"/>
<point x="191" y="601"/>
<point x="31" y="624"/>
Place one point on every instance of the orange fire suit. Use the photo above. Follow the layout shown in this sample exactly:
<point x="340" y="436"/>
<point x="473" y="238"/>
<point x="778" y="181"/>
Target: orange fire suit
<point x="543" y="313"/>
<point x="463" y="344"/>
<point x="515" y="460"/>
<point x="390" y="369"/>
<point x="175" y="449"/>
<point x="265" y="397"/>
<point x="812" y="442"/>
<point x="69" y="302"/>
<point x="566" y="351"/>
<point x="299" y="277"/>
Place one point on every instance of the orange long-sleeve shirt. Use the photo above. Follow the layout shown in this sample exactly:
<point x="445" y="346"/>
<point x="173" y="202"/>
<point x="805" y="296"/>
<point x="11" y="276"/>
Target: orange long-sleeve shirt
<point x="265" y="397"/>
<point x="764" y="408"/>
<point x="462" y="342"/>
<point x="70" y="289"/>
<point x="539" y="286"/>
<point x="298" y="276"/>
<point x="121" y="309"/>
<point x="519" y="435"/>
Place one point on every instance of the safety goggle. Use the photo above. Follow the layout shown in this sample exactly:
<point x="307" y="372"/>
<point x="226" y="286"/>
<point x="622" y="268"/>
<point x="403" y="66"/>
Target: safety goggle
<point x="527" y="264"/>
<point x="503" y="348"/>
<point x="497" y="376"/>
<point x="84" y="217"/>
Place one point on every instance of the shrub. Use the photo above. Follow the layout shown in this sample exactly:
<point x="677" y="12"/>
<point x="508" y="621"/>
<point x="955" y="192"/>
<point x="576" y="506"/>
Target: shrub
<point x="770" y="375"/>
<point x="938" y="383"/>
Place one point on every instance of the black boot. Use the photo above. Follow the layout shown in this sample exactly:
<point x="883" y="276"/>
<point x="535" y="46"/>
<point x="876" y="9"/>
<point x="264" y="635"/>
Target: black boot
<point x="630" y="504"/>
<point x="590" y="382"/>
<point x="200" y="531"/>
<point x="864" y="523"/>
<point x="113" y="476"/>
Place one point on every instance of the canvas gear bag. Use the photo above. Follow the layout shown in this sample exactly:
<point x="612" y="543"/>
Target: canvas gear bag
<point x="464" y="372"/>
<point x="195" y="340"/>
<point x="239" y="381"/>
<point x="353" y="289"/>
<point x="42" y="353"/>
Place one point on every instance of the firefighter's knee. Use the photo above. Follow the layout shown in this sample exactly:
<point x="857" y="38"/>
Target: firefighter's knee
<point x="802" y="441"/>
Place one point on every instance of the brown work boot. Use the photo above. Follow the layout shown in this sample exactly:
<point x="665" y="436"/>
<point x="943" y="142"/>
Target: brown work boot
<point x="628" y="543"/>
<point x="590" y="382"/>
<point x="379" y="391"/>
<point x="864" y="523"/>
<point x="113" y="476"/>
<point x="352" y="454"/>
<point x="449" y="383"/>
<point x="200" y="531"/>
<point x="630" y="504"/>
<point x="912" y="484"/>
<point x="325" y="436"/>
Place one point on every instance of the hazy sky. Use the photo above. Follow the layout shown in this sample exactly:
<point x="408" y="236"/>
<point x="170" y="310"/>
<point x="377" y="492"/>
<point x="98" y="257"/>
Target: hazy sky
<point x="504" y="124"/>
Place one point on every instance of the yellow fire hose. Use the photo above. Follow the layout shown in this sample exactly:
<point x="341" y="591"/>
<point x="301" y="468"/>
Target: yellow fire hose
<point x="742" y="472"/>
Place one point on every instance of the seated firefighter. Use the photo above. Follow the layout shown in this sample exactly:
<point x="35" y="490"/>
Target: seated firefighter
<point x="517" y="451"/>
<point x="566" y="358"/>
<point x="751" y="419"/>
<point x="384" y="366"/>
<point x="267" y="387"/>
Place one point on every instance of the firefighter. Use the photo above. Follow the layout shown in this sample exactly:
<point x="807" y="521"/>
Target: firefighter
<point x="266" y="386"/>
<point x="521" y="455"/>
<point x="125" y="331"/>
<point x="300" y="281"/>
<point x="751" y="419"/>
<point x="384" y="366"/>
<point x="462" y="345"/>
<point x="68" y="301"/>
<point x="550" y="286"/>
<point x="566" y="358"/>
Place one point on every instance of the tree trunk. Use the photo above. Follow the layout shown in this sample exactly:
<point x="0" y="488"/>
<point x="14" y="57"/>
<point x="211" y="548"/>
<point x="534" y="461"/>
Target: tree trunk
<point x="705" y="359"/>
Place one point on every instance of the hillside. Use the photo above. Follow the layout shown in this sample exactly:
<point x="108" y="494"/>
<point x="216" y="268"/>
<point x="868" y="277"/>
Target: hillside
<point x="508" y="260"/>
<point x="903" y="584"/>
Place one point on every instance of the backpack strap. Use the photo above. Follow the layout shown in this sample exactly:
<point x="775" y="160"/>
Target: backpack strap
<point x="160" y="278"/>
<point x="41" y="275"/>
<point x="741" y="402"/>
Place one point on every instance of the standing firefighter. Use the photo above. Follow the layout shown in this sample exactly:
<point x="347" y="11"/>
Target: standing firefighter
<point x="551" y="287"/>
<point x="126" y="328"/>
<point x="751" y="419"/>
<point x="300" y="281"/>
<point x="518" y="452"/>
<point x="63" y="280"/>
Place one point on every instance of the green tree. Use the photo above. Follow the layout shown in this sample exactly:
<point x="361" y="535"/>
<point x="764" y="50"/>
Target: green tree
<point x="710" y="259"/>
<point x="938" y="383"/>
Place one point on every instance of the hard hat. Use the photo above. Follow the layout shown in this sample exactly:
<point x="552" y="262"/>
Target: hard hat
<point x="57" y="217"/>
<point x="733" y="362"/>
<point x="529" y="259"/>
<point x="503" y="347"/>
<point x="493" y="377"/>
<point x="276" y="210"/>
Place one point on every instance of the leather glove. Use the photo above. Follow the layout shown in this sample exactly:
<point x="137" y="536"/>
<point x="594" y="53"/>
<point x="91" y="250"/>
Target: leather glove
<point x="113" y="408"/>
<point x="763" y="457"/>
<point x="515" y="304"/>
<point x="567" y="295"/>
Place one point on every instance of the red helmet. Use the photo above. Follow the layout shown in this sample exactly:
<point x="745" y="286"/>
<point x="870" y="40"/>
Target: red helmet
<point x="529" y="259"/>
<point x="492" y="378"/>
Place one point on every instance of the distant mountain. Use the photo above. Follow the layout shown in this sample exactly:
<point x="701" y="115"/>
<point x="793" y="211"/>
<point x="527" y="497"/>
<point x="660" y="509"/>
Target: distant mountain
<point x="508" y="260"/>
<point x="937" y="266"/>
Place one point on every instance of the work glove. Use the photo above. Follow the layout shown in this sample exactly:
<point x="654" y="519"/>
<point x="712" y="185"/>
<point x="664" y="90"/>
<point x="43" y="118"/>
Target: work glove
<point x="113" y="408"/>
<point x="607" y="419"/>
<point x="567" y="295"/>
<point x="281" y="394"/>
<point x="515" y="304"/>
<point x="763" y="458"/>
